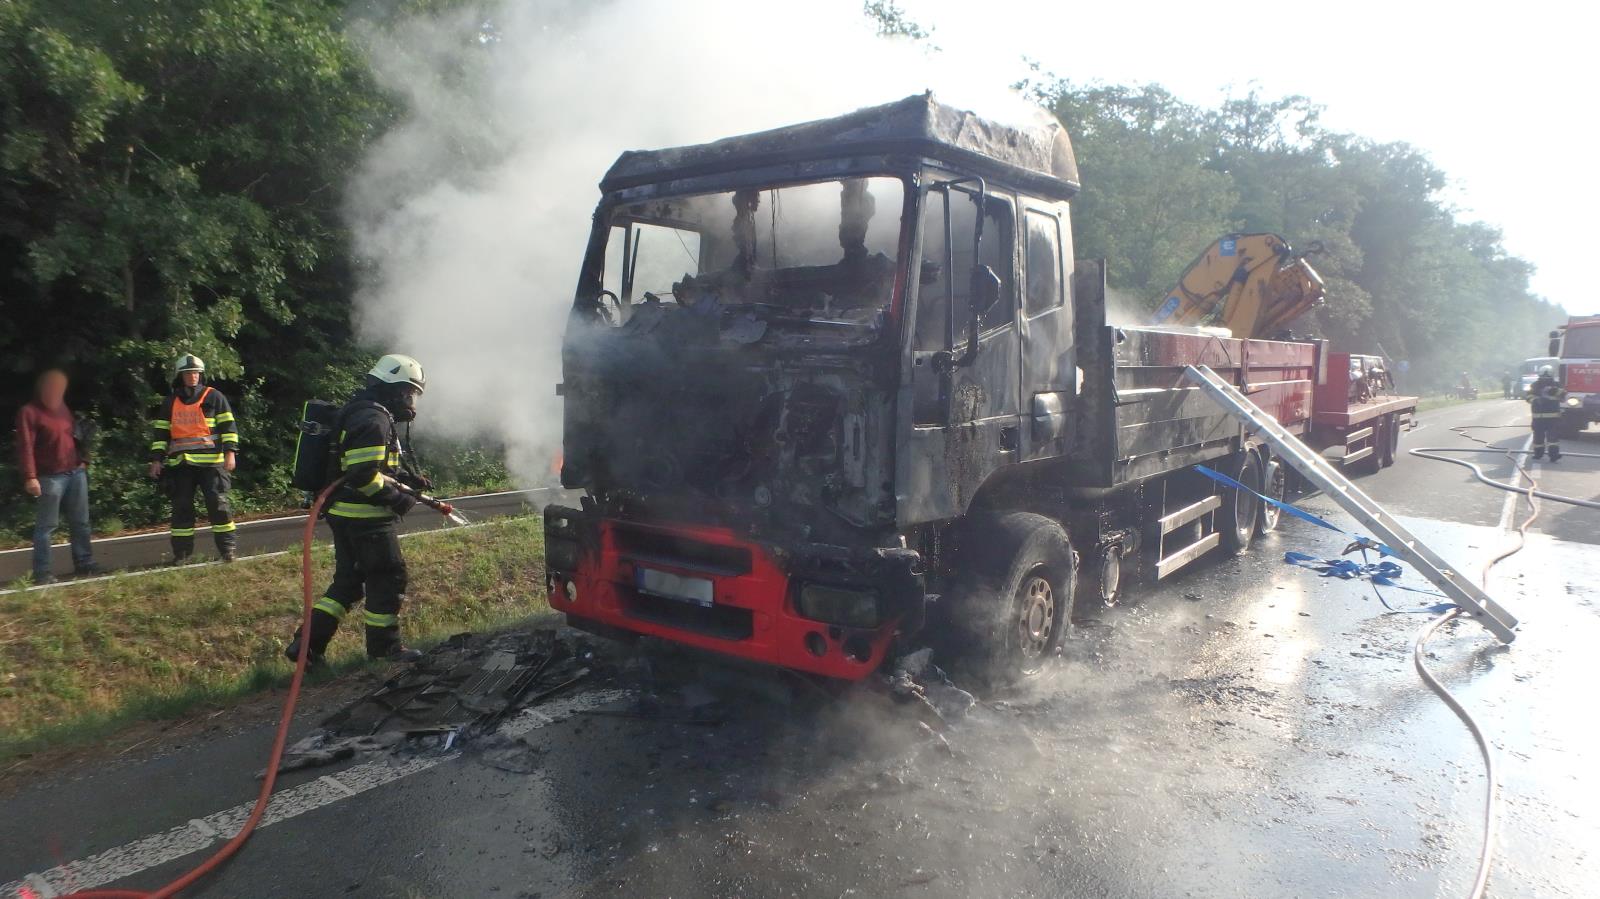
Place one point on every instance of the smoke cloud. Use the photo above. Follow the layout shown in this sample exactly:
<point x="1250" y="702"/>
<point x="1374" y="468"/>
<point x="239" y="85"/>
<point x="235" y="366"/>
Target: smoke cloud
<point x="472" y="214"/>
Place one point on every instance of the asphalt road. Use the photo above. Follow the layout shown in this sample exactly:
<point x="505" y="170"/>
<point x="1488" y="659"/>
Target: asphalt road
<point x="265" y="535"/>
<point x="1244" y="729"/>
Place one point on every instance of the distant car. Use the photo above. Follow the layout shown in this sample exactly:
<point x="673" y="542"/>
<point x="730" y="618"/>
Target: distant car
<point x="1530" y="372"/>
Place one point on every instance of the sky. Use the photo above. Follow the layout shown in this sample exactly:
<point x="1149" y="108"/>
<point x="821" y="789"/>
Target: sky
<point x="1501" y="96"/>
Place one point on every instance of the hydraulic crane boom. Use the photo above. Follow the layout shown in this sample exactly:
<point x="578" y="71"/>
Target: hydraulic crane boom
<point x="1254" y="284"/>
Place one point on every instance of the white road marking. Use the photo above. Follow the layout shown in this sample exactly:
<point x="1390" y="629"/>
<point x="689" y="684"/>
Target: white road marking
<point x="1509" y="508"/>
<point x="192" y="836"/>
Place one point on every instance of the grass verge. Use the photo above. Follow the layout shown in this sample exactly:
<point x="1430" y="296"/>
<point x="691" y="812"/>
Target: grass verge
<point x="1428" y="403"/>
<point x="78" y="662"/>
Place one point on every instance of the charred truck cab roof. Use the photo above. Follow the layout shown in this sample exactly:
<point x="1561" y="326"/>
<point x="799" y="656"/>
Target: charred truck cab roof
<point x="1035" y="160"/>
<point x="746" y="380"/>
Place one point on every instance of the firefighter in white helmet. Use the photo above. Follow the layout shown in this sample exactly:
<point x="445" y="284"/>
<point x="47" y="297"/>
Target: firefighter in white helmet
<point x="194" y="445"/>
<point x="1545" y="398"/>
<point x="378" y="489"/>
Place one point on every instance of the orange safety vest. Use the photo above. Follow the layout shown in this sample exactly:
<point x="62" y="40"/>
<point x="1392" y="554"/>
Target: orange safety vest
<point x="190" y="430"/>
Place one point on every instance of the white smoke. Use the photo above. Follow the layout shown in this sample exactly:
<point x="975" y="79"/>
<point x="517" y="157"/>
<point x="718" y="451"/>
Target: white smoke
<point x="471" y="216"/>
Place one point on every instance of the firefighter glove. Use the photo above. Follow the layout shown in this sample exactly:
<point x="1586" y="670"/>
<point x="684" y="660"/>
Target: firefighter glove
<point x="402" y="503"/>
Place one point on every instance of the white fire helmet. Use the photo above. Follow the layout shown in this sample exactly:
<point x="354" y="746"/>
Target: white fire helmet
<point x="397" y="369"/>
<point x="1546" y="371"/>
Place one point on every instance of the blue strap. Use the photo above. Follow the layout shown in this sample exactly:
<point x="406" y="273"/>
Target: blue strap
<point x="1383" y="573"/>
<point x="1365" y="542"/>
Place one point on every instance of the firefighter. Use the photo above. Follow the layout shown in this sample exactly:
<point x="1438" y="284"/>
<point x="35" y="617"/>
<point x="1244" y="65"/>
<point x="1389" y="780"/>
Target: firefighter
<point x="1546" y="396"/>
<point x="194" y="446"/>
<point x="377" y="490"/>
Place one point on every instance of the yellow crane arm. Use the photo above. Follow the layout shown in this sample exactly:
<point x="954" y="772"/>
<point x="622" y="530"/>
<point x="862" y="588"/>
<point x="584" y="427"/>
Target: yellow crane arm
<point x="1254" y="285"/>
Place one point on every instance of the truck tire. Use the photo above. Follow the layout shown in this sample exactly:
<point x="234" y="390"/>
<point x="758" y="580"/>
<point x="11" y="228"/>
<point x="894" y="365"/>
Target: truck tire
<point x="1373" y="462"/>
<point x="1274" y="483"/>
<point x="1388" y="441"/>
<point x="1571" y="426"/>
<point x="1014" y="595"/>
<point x="1236" y="519"/>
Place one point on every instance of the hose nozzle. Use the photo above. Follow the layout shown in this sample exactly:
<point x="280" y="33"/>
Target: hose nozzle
<point x="434" y="503"/>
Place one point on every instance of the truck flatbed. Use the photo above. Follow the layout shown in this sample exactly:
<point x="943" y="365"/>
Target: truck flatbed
<point x="1356" y="414"/>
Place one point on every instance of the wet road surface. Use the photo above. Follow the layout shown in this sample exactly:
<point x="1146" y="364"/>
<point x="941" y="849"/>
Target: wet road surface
<point x="1245" y="729"/>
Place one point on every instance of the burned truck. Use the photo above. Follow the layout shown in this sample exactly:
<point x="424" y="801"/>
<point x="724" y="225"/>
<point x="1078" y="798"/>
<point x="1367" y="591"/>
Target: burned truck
<point x="840" y="388"/>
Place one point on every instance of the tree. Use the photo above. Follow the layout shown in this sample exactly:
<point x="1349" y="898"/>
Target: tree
<point x="170" y="179"/>
<point x="1149" y="203"/>
<point x="1163" y="178"/>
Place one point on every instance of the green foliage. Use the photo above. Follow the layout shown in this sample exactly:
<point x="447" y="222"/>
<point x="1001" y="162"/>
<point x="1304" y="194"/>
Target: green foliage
<point x="170" y="179"/>
<point x="1163" y="178"/>
<point x="892" y="21"/>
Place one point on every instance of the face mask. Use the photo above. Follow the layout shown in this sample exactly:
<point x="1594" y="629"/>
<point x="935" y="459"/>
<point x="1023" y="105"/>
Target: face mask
<point x="402" y="404"/>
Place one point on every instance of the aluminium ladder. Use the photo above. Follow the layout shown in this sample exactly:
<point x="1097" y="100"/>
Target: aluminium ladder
<point x="1386" y="527"/>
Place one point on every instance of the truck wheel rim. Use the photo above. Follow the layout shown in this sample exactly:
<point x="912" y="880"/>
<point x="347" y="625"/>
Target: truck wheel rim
<point x="1244" y="511"/>
<point x="1038" y="615"/>
<point x="1275" y="488"/>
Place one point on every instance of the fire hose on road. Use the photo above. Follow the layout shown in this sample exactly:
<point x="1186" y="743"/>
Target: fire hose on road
<point x="1419" y="644"/>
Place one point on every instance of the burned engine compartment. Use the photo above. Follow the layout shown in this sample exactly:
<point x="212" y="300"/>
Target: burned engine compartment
<point x="680" y="415"/>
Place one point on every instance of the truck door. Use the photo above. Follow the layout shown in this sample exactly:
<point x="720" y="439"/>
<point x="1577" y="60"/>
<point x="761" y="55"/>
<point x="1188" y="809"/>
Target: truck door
<point x="1049" y="371"/>
<point x="965" y="393"/>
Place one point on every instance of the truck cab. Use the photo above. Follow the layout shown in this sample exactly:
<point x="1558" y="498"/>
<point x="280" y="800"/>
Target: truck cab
<point x="1576" y="348"/>
<point x="840" y="386"/>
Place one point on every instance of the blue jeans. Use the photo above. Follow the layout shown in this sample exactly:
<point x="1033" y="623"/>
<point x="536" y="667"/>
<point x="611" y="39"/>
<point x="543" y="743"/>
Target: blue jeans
<point x="67" y="492"/>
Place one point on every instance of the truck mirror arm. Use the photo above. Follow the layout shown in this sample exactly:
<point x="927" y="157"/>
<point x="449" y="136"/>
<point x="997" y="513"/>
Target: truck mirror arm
<point x="985" y="293"/>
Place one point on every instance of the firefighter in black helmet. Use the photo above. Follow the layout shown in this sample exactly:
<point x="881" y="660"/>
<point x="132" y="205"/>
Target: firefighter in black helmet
<point x="194" y="445"/>
<point x="362" y="513"/>
<point x="1545" y="396"/>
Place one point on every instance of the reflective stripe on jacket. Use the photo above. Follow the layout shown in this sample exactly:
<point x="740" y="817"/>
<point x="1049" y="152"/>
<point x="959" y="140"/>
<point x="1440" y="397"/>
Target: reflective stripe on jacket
<point x="369" y="452"/>
<point x="1545" y="396"/>
<point x="197" y="433"/>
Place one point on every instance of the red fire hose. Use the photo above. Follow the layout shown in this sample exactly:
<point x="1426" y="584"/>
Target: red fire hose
<point x="281" y="738"/>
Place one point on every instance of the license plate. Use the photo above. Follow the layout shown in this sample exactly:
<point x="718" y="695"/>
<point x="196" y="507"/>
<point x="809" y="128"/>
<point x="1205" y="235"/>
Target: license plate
<point x="673" y="586"/>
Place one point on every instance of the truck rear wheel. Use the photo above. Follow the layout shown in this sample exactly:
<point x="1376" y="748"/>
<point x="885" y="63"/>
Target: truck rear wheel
<point x="1236" y="519"/>
<point x="1372" y="462"/>
<point x="1274" y="483"/>
<point x="1388" y="441"/>
<point x="1016" y="593"/>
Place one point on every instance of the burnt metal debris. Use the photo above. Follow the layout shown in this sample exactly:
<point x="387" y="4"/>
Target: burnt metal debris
<point x="459" y="691"/>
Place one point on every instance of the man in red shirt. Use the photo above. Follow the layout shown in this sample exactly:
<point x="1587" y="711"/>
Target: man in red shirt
<point x="55" y="471"/>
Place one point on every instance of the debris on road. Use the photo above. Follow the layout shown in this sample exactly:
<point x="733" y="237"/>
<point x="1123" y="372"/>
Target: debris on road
<point x="460" y="690"/>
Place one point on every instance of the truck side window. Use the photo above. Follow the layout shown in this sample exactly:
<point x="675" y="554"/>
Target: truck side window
<point x="641" y="256"/>
<point x="996" y="252"/>
<point x="1043" y="275"/>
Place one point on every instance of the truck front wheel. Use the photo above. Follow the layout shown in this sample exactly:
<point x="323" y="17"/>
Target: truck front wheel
<point x="1015" y="602"/>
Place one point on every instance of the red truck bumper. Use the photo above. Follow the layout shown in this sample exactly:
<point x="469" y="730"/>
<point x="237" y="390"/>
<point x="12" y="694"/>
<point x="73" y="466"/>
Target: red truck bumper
<point x="698" y="586"/>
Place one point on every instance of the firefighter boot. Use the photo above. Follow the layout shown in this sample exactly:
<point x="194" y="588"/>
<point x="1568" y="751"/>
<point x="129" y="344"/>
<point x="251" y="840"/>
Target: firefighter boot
<point x="182" y="549"/>
<point x="227" y="546"/>
<point x="323" y="626"/>
<point x="384" y="643"/>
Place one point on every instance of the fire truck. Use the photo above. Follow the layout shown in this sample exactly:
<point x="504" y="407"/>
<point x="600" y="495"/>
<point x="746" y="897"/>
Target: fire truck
<point x="1576" y="346"/>
<point x="841" y="388"/>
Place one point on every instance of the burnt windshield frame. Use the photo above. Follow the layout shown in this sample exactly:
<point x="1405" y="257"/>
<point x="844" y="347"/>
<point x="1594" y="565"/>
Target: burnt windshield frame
<point x="588" y="302"/>
<point x="621" y="210"/>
